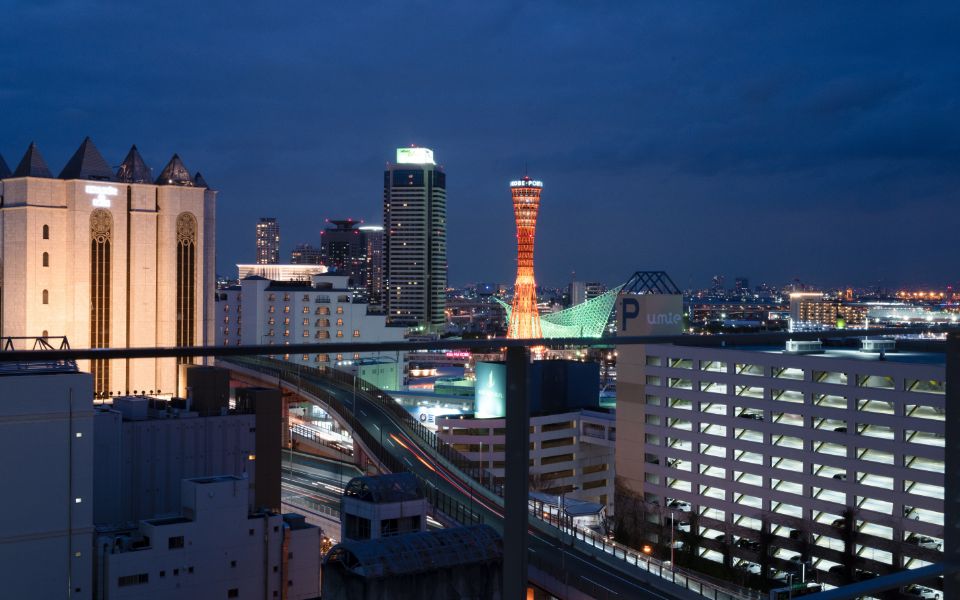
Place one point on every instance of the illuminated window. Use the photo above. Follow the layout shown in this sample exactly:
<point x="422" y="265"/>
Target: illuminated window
<point x="286" y="309"/>
<point x="339" y="357"/>
<point x="286" y="333"/>
<point x="356" y="333"/>
<point x="339" y="322"/>
<point x="306" y="334"/>
<point x="286" y="321"/>
<point x="339" y="331"/>
<point x="323" y="335"/>
<point x="339" y="310"/>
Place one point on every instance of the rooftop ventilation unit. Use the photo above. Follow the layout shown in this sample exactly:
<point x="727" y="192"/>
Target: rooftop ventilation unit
<point x="878" y="345"/>
<point x="803" y="347"/>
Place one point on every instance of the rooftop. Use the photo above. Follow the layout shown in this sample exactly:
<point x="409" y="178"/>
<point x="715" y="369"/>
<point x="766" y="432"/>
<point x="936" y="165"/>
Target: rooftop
<point x="381" y="489"/>
<point x="418" y="552"/>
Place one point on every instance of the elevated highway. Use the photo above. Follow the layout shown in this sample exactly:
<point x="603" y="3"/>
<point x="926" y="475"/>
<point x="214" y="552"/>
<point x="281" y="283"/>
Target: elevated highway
<point x="569" y="563"/>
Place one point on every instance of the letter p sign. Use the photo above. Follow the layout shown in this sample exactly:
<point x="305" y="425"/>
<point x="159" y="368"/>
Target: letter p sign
<point x="629" y="309"/>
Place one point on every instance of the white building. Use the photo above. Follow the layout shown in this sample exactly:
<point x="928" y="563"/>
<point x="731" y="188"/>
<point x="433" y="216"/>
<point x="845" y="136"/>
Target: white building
<point x="109" y="260"/>
<point x="214" y="549"/>
<point x="46" y="439"/>
<point x="278" y="272"/>
<point x="835" y="454"/>
<point x="570" y="451"/>
<point x="415" y="243"/>
<point x="260" y="311"/>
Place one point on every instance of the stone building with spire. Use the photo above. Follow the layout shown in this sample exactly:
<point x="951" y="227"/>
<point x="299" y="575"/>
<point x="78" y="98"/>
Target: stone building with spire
<point x="109" y="258"/>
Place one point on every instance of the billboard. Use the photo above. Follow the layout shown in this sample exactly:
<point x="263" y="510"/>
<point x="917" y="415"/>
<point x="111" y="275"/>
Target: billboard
<point x="649" y="314"/>
<point x="415" y="156"/>
<point x="491" y="390"/>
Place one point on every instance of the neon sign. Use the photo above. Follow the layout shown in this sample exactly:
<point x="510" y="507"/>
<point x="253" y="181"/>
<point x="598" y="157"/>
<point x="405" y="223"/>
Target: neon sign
<point x="526" y="183"/>
<point x="100" y="193"/>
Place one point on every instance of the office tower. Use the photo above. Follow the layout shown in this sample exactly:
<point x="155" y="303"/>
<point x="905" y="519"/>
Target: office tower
<point x="268" y="241"/>
<point x="741" y="285"/>
<point x="524" y="316"/>
<point x="581" y="291"/>
<point x="373" y="236"/>
<point x="344" y="250"/>
<point x="305" y="254"/>
<point x="109" y="260"/>
<point x="415" y="248"/>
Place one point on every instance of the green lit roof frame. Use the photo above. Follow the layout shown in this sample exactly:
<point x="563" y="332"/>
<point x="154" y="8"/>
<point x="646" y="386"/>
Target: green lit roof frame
<point x="588" y="319"/>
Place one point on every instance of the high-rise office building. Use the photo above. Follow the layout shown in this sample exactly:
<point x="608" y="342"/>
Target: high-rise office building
<point x="373" y="236"/>
<point x="581" y="291"/>
<point x="268" y="241"/>
<point x="344" y="250"/>
<point x="525" y="318"/>
<point x="415" y="247"/>
<point x="109" y="260"/>
<point x="305" y="254"/>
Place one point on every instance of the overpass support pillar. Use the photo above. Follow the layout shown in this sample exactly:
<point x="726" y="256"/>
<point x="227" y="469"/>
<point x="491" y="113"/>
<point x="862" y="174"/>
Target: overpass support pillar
<point x="517" y="476"/>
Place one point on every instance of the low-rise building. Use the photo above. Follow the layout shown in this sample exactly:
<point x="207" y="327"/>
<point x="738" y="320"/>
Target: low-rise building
<point x="379" y="506"/>
<point x="214" y="548"/>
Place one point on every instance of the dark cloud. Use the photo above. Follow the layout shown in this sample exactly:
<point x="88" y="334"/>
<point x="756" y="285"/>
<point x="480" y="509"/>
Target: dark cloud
<point x="744" y="138"/>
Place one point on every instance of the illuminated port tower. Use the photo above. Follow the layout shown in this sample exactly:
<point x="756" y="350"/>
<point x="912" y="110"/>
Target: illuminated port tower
<point x="524" y="318"/>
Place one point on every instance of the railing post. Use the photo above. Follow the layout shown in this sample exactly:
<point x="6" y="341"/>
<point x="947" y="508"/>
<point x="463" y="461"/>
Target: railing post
<point x="516" y="494"/>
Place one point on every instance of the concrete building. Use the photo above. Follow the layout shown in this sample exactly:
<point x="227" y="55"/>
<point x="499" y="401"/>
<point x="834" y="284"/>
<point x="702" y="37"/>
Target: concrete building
<point x="373" y="236"/>
<point x="380" y="506"/>
<point x="831" y="455"/>
<point x="46" y="438"/>
<point x="571" y="451"/>
<point x="268" y="241"/>
<point x="214" y="548"/>
<point x="305" y="254"/>
<point x="108" y="259"/>
<point x="145" y="447"/>
<point x="344" y="250"/>
<point x="260" y="311"/>
<point x="813" y="311"/>
<point x="460" y="562"/>
<point x="415" y="248"/>
<point x="581" y="291"/>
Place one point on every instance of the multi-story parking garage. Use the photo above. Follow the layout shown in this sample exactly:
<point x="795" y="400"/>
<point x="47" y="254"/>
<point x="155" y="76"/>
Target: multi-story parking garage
<point x="829" y="456"/>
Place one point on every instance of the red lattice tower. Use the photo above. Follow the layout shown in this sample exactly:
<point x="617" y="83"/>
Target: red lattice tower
<point x="524" y="318"/>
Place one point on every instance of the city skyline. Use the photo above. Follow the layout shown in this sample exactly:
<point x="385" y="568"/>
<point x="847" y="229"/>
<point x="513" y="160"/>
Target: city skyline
<point x="834" y="150"/>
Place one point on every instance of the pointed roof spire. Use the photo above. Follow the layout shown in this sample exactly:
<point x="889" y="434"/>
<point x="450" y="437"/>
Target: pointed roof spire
<point x="199" y="181"/>
<point x="175" y="173"/>
<point x="32" y="164"/>
<point x="87" y="163"/>
<point x="4" y="169"/>
<point x="134" y="169"/>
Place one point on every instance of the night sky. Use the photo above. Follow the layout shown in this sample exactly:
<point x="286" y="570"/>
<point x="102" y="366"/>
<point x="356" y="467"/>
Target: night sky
<point x="818" y="141"/>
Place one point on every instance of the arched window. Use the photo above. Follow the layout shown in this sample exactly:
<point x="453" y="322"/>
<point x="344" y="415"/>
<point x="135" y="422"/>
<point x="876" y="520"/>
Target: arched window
<point x="46" y="259"/>
<point x="46" y="297"/>
<point x="44" y="334"/>
<point x="101" y="258"/>
<point x="186" y="280"/>
<point x="46" y="232"/>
